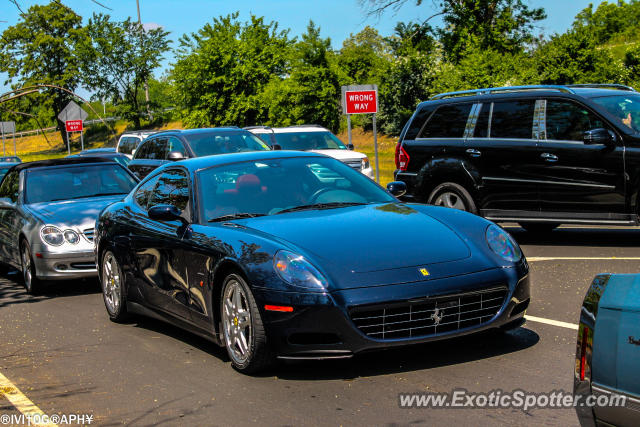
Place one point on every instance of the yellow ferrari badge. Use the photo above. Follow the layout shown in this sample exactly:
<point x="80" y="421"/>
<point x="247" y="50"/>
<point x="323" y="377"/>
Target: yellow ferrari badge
<point x="424" y="271"/>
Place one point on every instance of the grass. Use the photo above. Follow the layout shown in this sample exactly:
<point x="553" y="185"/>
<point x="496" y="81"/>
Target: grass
<point x="363" y="142"/>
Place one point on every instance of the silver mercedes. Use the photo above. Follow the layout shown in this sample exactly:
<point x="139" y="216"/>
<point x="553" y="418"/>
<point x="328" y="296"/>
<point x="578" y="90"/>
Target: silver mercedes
<point x="48" y="211"/>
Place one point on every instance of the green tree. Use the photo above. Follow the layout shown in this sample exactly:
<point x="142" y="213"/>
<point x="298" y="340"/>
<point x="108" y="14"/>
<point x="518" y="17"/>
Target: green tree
<point x="311" y="92"/>
<point x="117" y="58"/>
<point x="40" y="49"/>
<point x="574" y="57"/>
<point x="610" y="20"/>
<point x="221" y="71"/>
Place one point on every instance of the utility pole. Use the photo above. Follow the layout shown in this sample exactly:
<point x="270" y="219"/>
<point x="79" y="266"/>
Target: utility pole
<point x="146" y="85"/>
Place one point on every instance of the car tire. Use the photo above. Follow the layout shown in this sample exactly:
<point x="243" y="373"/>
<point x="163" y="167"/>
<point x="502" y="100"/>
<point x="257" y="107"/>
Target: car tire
<point x="112" y="283"/>
<point x="539" y="227"/>
<point x="452" y="195"/>
<point x="242" y="329"/>
<point x="32" y="284"/>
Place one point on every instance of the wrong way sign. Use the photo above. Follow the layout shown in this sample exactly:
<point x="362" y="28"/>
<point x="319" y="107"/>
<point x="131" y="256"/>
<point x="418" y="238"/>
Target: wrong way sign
<point x="74" y="125"/>
<point x="360" y="99"/>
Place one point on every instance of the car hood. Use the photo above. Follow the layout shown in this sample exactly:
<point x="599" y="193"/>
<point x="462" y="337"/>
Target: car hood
<point x="79" y="213"/>
<point x="369" y="238"/>
<point x="341" y="154"/>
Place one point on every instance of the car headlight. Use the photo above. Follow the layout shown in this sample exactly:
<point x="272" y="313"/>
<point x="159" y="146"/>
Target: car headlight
<point x="52" y="235"/>
<point x="503" y="244"/>
<point x="365" y="163"/>
<point x="297" y="271"/>
<point x="71" y="237"/>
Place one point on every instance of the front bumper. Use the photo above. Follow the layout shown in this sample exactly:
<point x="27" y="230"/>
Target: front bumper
<point x="71" y="265"/>
<point x="320" y="325"/>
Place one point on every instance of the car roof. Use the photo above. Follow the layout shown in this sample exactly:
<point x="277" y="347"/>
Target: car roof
<point x="99" y="150"/>
<point x="197" y="163"/>
<point x="288" y="129"/>
<point x="61" y="162"/>
<point x="201" y="131"/>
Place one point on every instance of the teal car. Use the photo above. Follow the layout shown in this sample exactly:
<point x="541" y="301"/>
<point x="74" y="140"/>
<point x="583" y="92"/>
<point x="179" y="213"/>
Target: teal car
<point x="608" y="351"/>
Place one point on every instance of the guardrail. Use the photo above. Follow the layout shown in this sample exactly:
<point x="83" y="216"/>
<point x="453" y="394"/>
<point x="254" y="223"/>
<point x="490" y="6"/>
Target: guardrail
<point x="53" y="128"/>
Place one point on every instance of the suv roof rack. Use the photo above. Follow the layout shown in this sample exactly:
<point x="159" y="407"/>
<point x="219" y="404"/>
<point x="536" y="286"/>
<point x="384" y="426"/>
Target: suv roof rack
<point x="258" y="127"/>
<point x="531" y="88"/>
<point x="306" y="126"/>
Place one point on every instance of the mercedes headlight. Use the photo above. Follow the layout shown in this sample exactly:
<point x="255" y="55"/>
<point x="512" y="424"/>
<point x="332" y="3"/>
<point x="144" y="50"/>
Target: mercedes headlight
<point x="503" y="244"/>
<point x="71" y="237"/>
<point x="297" y="271"/>
<point x="52" y="235"/>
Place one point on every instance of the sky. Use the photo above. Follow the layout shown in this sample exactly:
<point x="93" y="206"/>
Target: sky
<point x="336" y="18"/>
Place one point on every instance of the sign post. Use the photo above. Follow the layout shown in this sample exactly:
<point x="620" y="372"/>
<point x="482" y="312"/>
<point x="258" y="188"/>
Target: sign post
<point x="73" y="117"/>
<point x="362" y="99"/>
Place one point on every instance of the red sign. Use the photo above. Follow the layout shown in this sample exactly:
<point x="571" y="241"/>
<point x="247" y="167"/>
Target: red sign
<point x="73" y="125"/>
<point x="361" y="102"/>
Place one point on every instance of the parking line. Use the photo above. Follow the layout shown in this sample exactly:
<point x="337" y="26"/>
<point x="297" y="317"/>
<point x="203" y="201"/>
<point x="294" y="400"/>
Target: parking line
<point x="552" y="322"/>
<point x="569" y="258"/>
<point x="20" y="401"/>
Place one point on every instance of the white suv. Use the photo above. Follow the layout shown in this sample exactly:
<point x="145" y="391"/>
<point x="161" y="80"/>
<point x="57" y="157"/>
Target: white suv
<point x="313" y="138"/>
<point x="129" y="141"/>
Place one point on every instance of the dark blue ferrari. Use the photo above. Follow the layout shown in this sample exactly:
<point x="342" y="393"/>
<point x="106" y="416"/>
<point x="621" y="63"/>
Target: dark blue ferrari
<point x="295" y="255"/>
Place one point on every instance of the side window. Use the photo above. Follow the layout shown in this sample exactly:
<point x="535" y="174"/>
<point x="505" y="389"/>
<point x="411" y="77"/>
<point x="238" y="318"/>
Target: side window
<point x="172" y="189"/>
<point x="419" y="118"/>
<point x="568" y="121"/>
<point x="512" y="119"/>
<point x="176" y="145"/>
<point x="143" y="193"/>
<point x="9" y="187"/>
<point x="449" y="121"/>
<point x="143" y="152"/>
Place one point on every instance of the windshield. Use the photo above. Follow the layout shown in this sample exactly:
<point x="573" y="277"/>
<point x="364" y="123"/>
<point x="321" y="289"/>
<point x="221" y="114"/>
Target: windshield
<point x="625" y="107"/>
<point x="268" y="187"/>
<point x="74" y="182"/>
<point x="309" y="141"/>
<point x="223" y="143"/>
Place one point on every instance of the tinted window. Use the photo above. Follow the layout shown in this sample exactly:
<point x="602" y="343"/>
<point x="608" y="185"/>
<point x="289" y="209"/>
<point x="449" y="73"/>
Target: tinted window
<point x="144" y="192"/>
<point x="512" y="119"/>
<point x="128" y="144"/>
<point x="172" y="189"/>
<point x="176" y="145"/>
<point x="75" y="182"/>
<point x="567" y="121"/>
<point x="449" y="121"/>
<point x="418" y="121"/>
<point x="309" y="141"/>
<point x="225" y="142"/>
<point x="482" y="124"/>
<point x="9" y="187"/>
<point x="155" y="149"/>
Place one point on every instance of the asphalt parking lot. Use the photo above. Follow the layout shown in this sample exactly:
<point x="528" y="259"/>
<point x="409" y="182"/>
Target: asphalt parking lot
<point x="62" y="352"/>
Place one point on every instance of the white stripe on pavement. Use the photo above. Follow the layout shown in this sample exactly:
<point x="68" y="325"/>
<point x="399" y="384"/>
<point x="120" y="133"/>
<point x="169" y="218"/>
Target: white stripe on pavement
<point x="21" y="402"/>
<point x="569" y="258"/>
<point x="552" y="322"/>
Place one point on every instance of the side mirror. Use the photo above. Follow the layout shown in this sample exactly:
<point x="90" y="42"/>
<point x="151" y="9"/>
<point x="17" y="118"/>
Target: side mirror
<point x="599" y="136"/>
<point x="165" y="213"/>
<point x="174" y="156"/>
<point x="397" y="188"/>
<point x="276" y="147"/>
<point x="350" y="147"/>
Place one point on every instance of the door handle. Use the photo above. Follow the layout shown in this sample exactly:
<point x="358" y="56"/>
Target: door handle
<point x="549" y="157"/>
<point x="473" y="152"/>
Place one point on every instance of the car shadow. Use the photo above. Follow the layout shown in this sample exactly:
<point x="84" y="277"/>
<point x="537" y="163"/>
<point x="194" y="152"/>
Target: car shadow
<point x="574" y="236"/>
<point x="410" y="358"/>
<point x="12" y="290"/>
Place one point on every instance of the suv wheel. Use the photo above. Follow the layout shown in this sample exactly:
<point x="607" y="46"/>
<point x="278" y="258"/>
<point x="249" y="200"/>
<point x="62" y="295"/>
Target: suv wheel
<point x="539" y="227"/>
<point x="452" y="195"/>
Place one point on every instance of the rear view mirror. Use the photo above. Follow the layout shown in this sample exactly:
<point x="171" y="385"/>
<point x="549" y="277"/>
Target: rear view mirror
<point x="174" y="156"/>
<point x="276" y="147"/>
<point x="397" y="188"/>
<point x="350" y="147"/>
<point x="599" y="136"/>
<point x="165" y="213"/>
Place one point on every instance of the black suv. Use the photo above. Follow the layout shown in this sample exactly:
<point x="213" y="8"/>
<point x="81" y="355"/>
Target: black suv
<point x="173" y="145"/>
<point x="538" y="155"/>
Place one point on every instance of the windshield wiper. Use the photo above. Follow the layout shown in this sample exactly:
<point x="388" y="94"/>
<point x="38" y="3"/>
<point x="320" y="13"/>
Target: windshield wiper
<point x="86" y="196"/>
<point x="319" y="206"/>
<point x="235" y="216"/>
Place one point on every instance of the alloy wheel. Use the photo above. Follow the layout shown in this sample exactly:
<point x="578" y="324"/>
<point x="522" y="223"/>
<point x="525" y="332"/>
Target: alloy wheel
<point x="26" y="267"/>
<point x="236" y="320"/>
<point x="111" y="283"/>
<point x="450" y="200"/>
